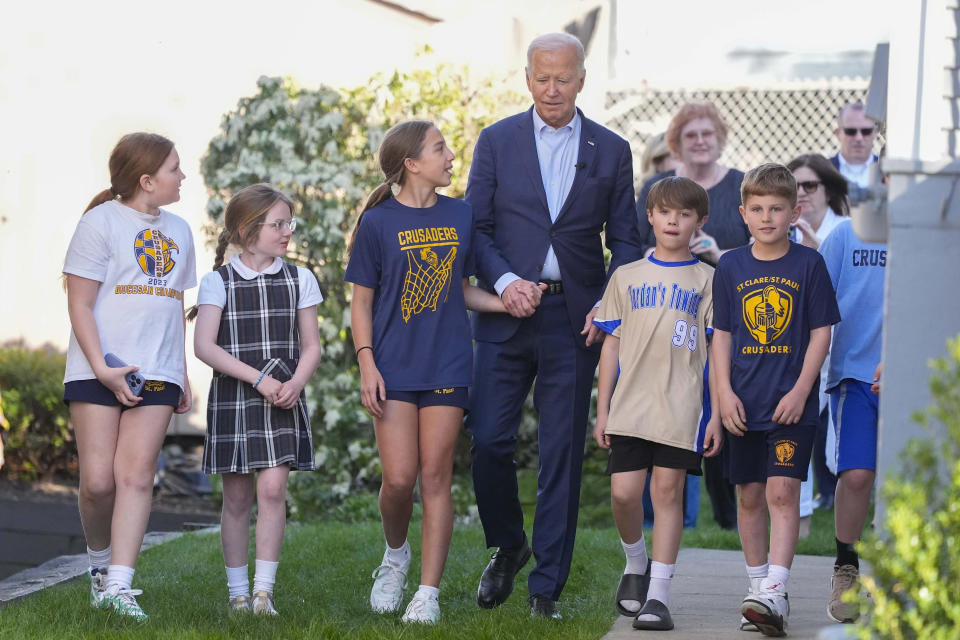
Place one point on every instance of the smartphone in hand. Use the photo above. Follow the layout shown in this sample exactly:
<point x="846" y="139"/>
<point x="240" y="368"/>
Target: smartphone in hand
<point x="134" y="380"/>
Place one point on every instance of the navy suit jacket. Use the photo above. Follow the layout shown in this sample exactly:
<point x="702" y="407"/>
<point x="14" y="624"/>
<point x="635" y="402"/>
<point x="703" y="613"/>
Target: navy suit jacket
<point x="512" y="221"/>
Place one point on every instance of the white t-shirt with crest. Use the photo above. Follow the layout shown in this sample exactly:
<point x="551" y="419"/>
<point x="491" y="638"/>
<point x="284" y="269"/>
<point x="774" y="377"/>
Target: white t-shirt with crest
<point x="143" y="264"/>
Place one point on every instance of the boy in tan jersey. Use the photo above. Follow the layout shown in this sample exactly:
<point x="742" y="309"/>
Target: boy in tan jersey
<point x="657" y="313"/>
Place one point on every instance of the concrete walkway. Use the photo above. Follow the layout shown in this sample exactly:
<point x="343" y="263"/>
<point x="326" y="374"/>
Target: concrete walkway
<point x="709" y="586"/>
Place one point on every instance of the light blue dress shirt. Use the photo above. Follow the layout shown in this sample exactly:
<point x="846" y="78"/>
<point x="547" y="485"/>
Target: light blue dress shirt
<point x="557" y="151"/>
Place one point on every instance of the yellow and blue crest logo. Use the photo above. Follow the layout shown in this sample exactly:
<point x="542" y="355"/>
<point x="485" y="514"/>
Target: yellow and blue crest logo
<point x="767" y="312"/>
<point x="153" y="252"/>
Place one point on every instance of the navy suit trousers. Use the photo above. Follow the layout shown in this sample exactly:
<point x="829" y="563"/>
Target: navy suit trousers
<point x="542" y="352"/>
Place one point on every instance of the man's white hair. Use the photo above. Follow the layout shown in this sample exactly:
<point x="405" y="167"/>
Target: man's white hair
<point x="556" y="42"/>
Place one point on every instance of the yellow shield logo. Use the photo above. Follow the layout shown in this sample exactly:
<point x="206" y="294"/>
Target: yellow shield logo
<point x="785" y="450"/>
<point x="766" y="312"/>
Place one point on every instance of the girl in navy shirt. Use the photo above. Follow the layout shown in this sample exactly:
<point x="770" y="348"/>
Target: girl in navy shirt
<point x="409" y="264"/>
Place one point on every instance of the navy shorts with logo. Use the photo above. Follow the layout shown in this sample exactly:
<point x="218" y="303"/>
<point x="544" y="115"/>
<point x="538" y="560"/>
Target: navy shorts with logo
<point x="445" y="397"/>
<point x="782" y="451"/>
<point x="155" y="392"/>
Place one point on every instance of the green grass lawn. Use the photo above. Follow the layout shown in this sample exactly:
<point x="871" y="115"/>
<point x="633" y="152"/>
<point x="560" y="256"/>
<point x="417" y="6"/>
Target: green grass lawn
<point x="324" y="580"/>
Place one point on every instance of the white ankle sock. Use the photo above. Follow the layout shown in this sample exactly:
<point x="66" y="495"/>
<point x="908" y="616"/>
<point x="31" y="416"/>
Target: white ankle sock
<point x="398" y="557"/>
<point x="636" y="553"/>
<point x="265" y="576"/>
<point x="119" y="575"/>
<point x="238" y="581"/>
<point x="760" y="571"/>
<point x="431" y="593"/>
<point x="660" y="576"/>
<point x="776" y="580"/>
<point x="99" y="559"/>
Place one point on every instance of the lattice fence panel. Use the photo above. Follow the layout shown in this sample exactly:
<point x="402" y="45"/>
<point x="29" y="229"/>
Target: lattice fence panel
<point x="765" y="125"/>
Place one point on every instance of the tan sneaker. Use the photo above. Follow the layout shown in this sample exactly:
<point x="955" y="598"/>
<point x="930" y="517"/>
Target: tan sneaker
<point x="240" y="604"/>
<point x="845" y="578"/>
<point x="263" y="604"/>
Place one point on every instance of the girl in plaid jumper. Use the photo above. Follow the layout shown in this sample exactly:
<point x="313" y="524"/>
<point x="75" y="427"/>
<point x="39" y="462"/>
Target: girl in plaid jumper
<point x="257" y="328"/>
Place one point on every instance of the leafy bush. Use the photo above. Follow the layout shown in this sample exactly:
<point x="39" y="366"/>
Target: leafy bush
<point x="37" y="438"/>
<point x="916" y="556"/>
<point x="318" y="145"/>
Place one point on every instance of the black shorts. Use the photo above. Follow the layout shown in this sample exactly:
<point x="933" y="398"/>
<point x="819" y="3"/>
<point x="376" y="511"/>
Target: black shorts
<point x="781" y="451"/>
<point x="446" y="397"/>
<point x="634" y="454"/>
<point x="155" y="392"/>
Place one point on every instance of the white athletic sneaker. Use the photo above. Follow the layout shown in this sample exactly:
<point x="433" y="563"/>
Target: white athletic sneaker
<point x="754" y="588"/>
<point x="122" y="601"/>
<point x="98" y="584"/>
<point x="389" y="581"/>
<point x="768" y="611"/>
<point x="263" y="604"/>
<point x="422" y="609"/>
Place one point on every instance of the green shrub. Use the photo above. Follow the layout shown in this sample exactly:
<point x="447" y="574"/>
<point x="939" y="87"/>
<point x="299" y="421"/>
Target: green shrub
<point x="916" y="555"/>
<point x="37" y="438"/>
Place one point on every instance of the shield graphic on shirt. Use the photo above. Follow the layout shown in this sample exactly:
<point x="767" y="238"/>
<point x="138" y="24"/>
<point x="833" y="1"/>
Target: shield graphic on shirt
<point x="767" y="312"/>
<point x="154" y="252"/>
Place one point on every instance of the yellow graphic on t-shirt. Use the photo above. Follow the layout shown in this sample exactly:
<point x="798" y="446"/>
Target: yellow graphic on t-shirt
<point x="766" y="313"/>
<point x="427" y="277"/>
<point x="153" y="252"/>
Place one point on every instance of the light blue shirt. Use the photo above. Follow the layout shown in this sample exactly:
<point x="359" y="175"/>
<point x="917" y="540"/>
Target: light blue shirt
<point x="857" y="270"/>
<point x="557" y="151"/>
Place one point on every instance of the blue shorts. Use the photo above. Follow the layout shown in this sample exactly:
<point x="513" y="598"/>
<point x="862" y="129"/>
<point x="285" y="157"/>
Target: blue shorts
<point x="445" y="397"/>
<point x="781" y="451"/>
<point x="155" y="392"/>
<point x="855" y="418"/>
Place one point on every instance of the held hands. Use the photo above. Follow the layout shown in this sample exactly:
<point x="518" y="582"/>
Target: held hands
<point x="521" y="298"/>
<point x="790" y="408"/>
<point x="713" y="438"/>
<point x="289" y="394"/>
<point x="269" y="388"/>
<point x="114" y="378"/>
<point x="732" y="415"/>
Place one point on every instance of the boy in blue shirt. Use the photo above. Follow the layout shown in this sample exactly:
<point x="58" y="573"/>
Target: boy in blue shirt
<point x="857" y="271"/>
<point x="773" y="307"/>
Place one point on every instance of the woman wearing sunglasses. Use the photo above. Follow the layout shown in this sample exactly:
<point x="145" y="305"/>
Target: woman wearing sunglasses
<point x="822" y="197"/>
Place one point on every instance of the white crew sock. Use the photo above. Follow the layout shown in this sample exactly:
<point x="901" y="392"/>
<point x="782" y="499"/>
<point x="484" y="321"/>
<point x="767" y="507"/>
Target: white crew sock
<point x="660" y="576"/>
<point x="99" y="559"/>
<point x="756" y="576"/>
<point x="776" y="580"/>
<point x="119" y="575"/>
<point x="428" y="592"/>
<point x="397" y="557"/>
<point x="265" y="576"/>
<point x="636" y="553"/>
<point x="238" y="581"/>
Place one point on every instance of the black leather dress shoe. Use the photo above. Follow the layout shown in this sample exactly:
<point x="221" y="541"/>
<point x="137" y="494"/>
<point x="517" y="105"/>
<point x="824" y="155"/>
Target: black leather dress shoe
<point x="543" y="607"/>
<point x="496" y="583"/>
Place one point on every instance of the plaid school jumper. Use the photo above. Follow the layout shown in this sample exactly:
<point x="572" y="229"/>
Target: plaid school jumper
<point x="258" y="326"/>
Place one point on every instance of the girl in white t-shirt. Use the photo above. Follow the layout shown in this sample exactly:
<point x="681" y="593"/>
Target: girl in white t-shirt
<point x="127" y="266"/>
<point x="257" y="327"/>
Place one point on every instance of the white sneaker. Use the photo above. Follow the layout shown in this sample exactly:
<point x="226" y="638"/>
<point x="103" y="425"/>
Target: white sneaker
<point x="122" y="601"/>
<point x="768" y="611"/>
<point x="754" y="588"/>
<point x="263" y="604"/>
<point x="422" y="609"/>
<point x="389" y="581"/>
<point x="98" y="584"/>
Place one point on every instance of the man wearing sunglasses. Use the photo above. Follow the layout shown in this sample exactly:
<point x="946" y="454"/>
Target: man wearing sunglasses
<point x="856" y="133"/>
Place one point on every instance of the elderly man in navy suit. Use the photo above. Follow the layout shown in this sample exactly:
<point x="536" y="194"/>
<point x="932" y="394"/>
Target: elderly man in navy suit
<point x="856" y="132"/>
<point x="547" y="187"/>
